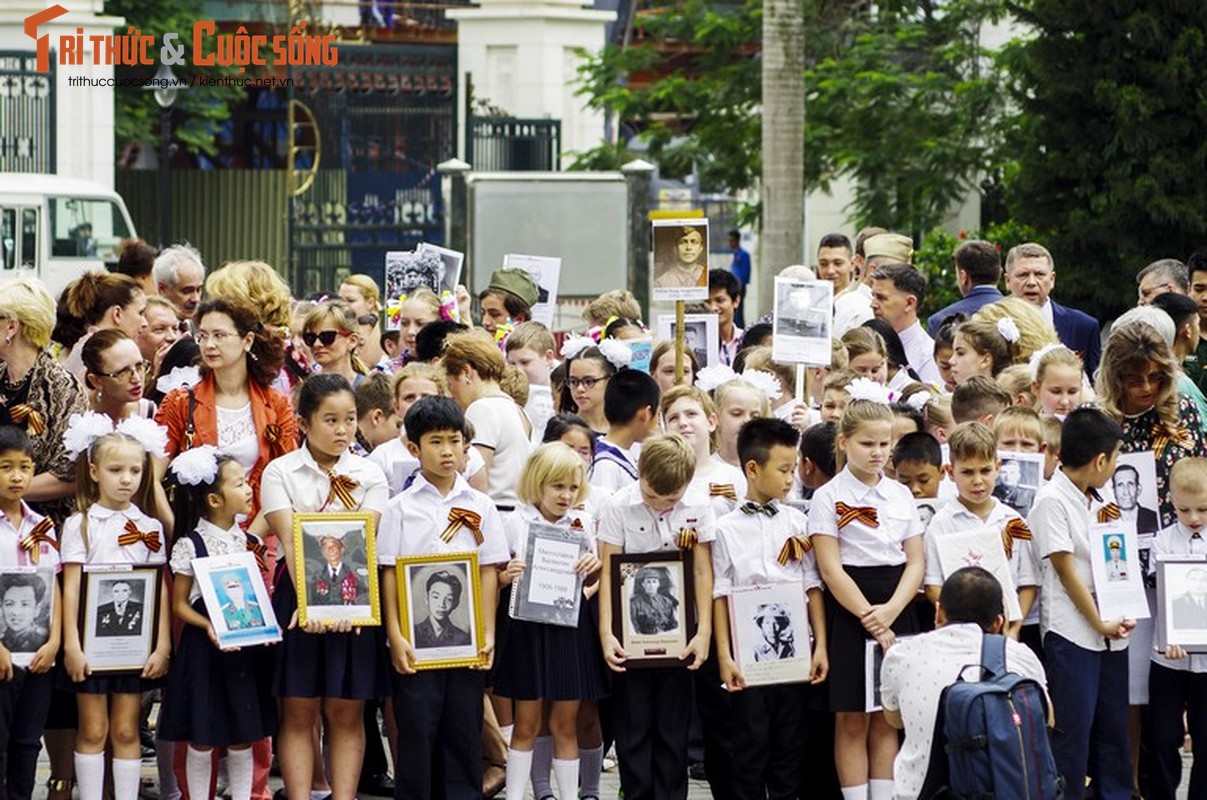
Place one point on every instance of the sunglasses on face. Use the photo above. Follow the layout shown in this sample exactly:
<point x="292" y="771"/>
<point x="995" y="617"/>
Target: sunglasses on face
<point x="326" y="337"/>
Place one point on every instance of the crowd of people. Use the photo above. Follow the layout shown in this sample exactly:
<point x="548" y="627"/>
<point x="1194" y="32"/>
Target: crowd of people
<point x="161" y="413"/>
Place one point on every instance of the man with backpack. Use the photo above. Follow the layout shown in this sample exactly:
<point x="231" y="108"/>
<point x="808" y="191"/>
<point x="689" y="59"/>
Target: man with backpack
<point x="917" y="670"/>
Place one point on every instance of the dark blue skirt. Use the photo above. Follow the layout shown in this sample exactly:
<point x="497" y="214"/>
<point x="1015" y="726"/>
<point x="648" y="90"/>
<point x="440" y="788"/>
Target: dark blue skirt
<point x="348" y="666"/>
<point x="549" y="662"/>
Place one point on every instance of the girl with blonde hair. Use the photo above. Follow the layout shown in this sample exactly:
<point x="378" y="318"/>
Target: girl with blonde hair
<point x="1034" y="332"/>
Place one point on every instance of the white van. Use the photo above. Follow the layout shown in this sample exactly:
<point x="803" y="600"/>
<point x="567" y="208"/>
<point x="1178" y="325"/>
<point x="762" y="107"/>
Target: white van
<point x="58" y="228"/>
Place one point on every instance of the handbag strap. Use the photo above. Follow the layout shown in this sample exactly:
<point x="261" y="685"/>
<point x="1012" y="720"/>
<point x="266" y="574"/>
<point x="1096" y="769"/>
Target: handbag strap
<point x="190" y="428"/>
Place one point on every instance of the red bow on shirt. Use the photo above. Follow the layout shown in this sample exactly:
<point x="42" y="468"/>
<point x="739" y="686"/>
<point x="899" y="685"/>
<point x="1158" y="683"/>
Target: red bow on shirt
<point x="22" y="414"/>
<point x="40" y="533"/>
<point x="133" y="536"/>
<point x="341" y="489"/>
<point x="722" y="490"/>
<point x="794" y="548"/>
<point x="848" y="514"/>
<point x="1015" y="529"/>
<point x="1109" y="513"/>
<point x="462" y="518"/>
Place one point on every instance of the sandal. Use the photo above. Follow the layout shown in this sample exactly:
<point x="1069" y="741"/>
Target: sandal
<point x="60" y="788"/>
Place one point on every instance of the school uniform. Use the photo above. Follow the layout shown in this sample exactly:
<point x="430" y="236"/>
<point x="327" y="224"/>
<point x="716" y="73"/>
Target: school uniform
<point x="1087" y="673"/>
<point x="441" y="753"/>
<point x="613" y="466"/>
<point x="652" y="707"/>
<point x="723" y="484"/>
<point x="1176" y="687"/>
<point x="550" y="662"/>
<point x="399" y="465"/>
<point x="216" y="698"/>
<point x="351" y="665"/>
<point x="759" y="545"/>
<point x="871" y="524"/>
<point x="25" y="699"/>
<point x="103" y="546"/>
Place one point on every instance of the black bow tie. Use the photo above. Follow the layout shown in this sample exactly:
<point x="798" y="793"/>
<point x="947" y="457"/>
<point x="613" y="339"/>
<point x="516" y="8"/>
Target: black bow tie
<point x="751" y="507"/>
<point x="1195" y="535"/>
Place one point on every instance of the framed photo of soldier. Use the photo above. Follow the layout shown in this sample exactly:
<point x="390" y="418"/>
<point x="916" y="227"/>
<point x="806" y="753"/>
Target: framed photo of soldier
<point x="440" y="609"/>
<point x="118" y="616"/>
<point x="336" y="568"/>
<point x="26" y="609"/>
<point x="680" y="259"/>
<point x="236" y="600"/>
<point x="653" y="606"/>
<point x="1182" y="599"/>
<point x="1018" y="479"/>
<point x="769" y="633"/>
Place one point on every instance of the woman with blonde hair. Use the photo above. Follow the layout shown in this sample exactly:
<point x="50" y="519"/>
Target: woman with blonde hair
<point x="1034" y="332"/>
<point x="332" y="333"/>
<point x="360" y="292"/>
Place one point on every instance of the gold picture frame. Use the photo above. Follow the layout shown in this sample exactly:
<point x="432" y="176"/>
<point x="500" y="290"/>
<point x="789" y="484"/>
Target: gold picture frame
<point x="434" y="577"/>
<point x="336" y="583"/>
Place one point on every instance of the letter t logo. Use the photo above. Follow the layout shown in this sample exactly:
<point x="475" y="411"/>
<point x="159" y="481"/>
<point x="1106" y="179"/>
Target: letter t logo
<point x="31" y="30"/>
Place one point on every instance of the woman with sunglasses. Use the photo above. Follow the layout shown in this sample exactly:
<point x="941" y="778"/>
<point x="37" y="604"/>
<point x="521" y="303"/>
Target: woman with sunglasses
<point x="114" y="371"/>
<point x="332" y="333"/>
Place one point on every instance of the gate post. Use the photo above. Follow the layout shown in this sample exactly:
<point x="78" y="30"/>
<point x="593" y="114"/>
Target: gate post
<point x="637" y="175"/>
<point x="456" y="215"/>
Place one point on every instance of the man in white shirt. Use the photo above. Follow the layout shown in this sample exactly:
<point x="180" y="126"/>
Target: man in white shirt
<point x="897" y="293"/>
<point x="916" y="670"/>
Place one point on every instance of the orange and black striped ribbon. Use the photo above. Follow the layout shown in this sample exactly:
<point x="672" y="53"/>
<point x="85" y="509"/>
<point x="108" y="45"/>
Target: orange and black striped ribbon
<point x="794" y="548"/>
<point x="133" y="536"/>
<point x="722" y="490"/>
<point x="460" y="518"/>
<point x="1109" y="513"/>
<point x="688" y="538"/>
<point x="1015" y="529"/>
<point x="260" y="551"/>
<point x="341" y="489"/>
<point x="40" y="533"/>
<point x="848" y="514"/>
<point x="22" y="414"/>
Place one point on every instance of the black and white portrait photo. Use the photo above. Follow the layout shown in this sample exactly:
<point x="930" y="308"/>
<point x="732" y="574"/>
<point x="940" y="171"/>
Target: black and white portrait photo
<point x="451" y="260"/>
<point x="801" y="321"/>
<point x="441" y="604"/>
<point x="1190" y="606"/>
<point x="776" y="640"/>
<point x="770" y="633"/>
<point x="1018" y="479"/>
<point x="1135" y="486"/>
<point x="407" y="271"/>
<point x="119" y="618"/>
<point x="653" y="602"/>
<point x="1182" y="602"/>
<point x="680" y="259"/>
<point x="120" y="612"/>
<point x="700" y="336"/>
<point x="26" y="598"/>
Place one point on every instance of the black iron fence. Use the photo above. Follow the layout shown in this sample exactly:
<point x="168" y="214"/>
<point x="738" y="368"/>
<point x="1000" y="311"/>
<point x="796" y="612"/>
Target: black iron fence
<point x="27" y="118"/>
<point x="510" y="144"/>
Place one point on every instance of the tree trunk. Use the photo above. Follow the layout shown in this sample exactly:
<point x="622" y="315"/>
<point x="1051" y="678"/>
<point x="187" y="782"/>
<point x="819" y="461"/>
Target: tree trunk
<point x="783" y="184"/>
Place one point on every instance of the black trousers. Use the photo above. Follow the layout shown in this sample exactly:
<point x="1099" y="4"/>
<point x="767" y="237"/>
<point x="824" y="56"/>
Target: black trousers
<point x="376" y="762"/>
<point x="24" y="704"/>
<point x="769" y="737"/>
<point x="651" y="712"/>
<point x="1170" y="692"/>
<point x="439" y="715"/>
<point x="712" y="704"/>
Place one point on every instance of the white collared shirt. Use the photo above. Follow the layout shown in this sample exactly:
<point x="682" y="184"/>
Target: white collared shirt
<point x="747" y="549"/>
<point x="296" y="482"/>
<point x="862" y="545"/>
<point x="852" y="308"/>
<point x="628" y="523"/>
<point x="1174" y="540"/>
<point x="12" y="554"/>
<point x="105" y="525"/>
<point x="1060" y="522"/>
<point x="1045" y="311"/>
<point x="953" y="517"/>
<point x="608" y="476"/>
<point x="393" y="459"/>
<point x="920" y="353"/>
<point x="714" y="474"/>
<point x="218" y="542"/>
<point x="517" y="527"/>
<point x="415" y="518"/>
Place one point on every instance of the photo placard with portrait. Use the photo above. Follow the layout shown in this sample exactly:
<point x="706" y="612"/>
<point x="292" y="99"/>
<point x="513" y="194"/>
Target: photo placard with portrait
<point x="1018" y="479"/>
<point x="236" y="600"/>
<point x="550" y="589"/>
<point x="546" y="273"/>
<point x="700" y="336"/>
<point x="983" y="548"/>
<point x="769" y="633"/>
<point x="801" y="322"/>
<point x="1134" y="485"/>
<point x="1182" y="600"/>
<point x="408" y="270"/>
<point x="680" y="259"/>
<point x="440" y="609"/>
<point x="335" y="568"/>
<point x="1115" y="562"/>
<point x="118" y="616"/>
<point x="873" y="662"/>
<point x="452" y="260"/>
<point x="26" y="609"/>
<point x="653" y="606"/>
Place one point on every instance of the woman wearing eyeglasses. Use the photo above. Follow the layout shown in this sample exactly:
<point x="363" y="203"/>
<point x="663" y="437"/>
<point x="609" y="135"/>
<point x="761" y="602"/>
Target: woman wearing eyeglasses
<point x="332" y="333"/>
<point x="114" y="375"/>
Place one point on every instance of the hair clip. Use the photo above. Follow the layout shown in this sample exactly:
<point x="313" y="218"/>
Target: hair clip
<point x="147" y="432"/>
<point x="1008" y="329"/>
<point x="196" y="466"/>
<point x="179" y="378"/>
<point x="619" y="354"/>
<point x="83" y="430"/>
<point x="869" y="390"/>
<point x="918" y="400"/>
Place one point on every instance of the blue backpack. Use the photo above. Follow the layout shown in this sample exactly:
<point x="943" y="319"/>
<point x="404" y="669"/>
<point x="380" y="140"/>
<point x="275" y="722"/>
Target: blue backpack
<point x="991" y="737"/>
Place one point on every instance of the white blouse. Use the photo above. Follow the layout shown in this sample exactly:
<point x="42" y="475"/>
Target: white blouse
<point x="218" y="542"/>
<point x="237" y="435"/>
<point x="296" y="482"/>
<point x="860" y="544"/>
<point x="99" y="544"/>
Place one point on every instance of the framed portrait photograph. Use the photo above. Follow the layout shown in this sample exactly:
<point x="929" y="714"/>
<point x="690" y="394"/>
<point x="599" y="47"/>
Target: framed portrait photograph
<point x="26" y="608"/>
<point x="1018" y="479"/>
<point x="1115" y="562"/>
<point x="550" y="590"/>
<point x="801" y="322"/>
<point x="680" y="259"/>
<point x="1182" y="600"/>
<point x="118" y="616"/>
<point x="980" y="548"/>
<point x="236" y="600"/>
<point x="452" y="260"/>
<point x="335" y="563"/>
<point x="769" y="633"/>
<point x="700" y="336"/>
<point x="440" y="609"/>
<point x="653" y="606"/>
<point x="546" y="273"/>
<point x="1135" y="487"/>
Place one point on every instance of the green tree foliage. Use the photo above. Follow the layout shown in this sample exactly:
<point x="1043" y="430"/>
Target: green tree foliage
<point x="1109" y="138"/>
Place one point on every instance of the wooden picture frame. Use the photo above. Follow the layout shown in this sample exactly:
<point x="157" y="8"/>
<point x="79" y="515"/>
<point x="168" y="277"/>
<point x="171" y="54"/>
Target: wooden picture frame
<point x="344" y="543"/>
<point x="653" y="623"/>
<point x="118" y="625"/>
<point x="439" y="585"/>
<point x="236" y="600"/>
<point x="26" y="610"/>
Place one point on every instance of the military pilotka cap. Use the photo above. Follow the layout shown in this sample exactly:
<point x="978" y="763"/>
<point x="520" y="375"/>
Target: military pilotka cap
<point x="892" y="245"/>
<point x="517" y="282"/>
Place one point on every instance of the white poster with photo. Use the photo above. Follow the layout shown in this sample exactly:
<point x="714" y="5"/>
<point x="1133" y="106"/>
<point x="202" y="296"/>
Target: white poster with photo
<point x="928" y="507"/>
<point x="1115" y="561"/>
<point x="769" y="633"/>
<point x="1182" y="595"/>
<point x="1018" y="479"/>
<point x="801" y="322"/>
<point x="407" y="271"/>
<point x="701" y="335"/>
<point x="979" y="548"/>
<point x="680" y="259"/>
<point x="453" y="262"/>
<point x="546" y="272"/>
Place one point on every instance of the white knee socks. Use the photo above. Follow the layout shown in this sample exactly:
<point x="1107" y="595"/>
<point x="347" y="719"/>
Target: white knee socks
<point x="519" y="766"/>
<point x="127" y="775"/>
<point x="198" y="771"/>
<point x="542" y="762"/>
<point x="880" y="789"/>
<point x="90" y="775"/>
<point x="239" y="773"/>
<point x="566" y="773"/>
<point x="859" y="792"/>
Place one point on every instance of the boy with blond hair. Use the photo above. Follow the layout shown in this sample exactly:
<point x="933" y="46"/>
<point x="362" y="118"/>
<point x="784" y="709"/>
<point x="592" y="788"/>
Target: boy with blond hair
<point x="530" y="348"/>
<point x="1019" y="430"/>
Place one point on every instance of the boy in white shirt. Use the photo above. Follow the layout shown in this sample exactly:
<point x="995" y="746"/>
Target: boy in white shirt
<point x="631" y="407"/>
<point x="530" y="349"/>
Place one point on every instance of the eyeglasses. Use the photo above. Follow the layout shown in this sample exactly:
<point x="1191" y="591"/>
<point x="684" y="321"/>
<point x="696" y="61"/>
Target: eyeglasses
<point x="217" y="337"/>
<point x="136" y="371"/>
<point x="585" y="383"/>
<point x="326" y="337"/>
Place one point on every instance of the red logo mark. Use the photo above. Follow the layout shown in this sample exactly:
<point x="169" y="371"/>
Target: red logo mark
<point x="31" y="30"/>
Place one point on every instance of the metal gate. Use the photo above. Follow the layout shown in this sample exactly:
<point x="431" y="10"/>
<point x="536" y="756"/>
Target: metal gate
<point x="366" y="136"/>
<point x="27" y="129"/>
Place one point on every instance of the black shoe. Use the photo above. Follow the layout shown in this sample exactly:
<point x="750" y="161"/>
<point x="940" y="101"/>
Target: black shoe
<point x="696" y="771"/>
<point x="377" y="785"/>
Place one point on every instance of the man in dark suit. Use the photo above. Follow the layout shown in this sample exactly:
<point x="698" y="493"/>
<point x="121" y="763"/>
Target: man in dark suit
<point x="1126" y="483"/>
<point x="336" y="584"/>
<point x="121" y="616"/>
<point x="443" y="596"/>
<point x="1031" y="275"/>
<point x="1190" y="610"/>
<point x="978" y="269"/>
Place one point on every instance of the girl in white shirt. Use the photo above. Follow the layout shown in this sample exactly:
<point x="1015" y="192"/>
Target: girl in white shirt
<point x="114" y="477"/>
<point x="689" y="412"/>
<point x="867" y="538"/>
<point x="738" y="402"/>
